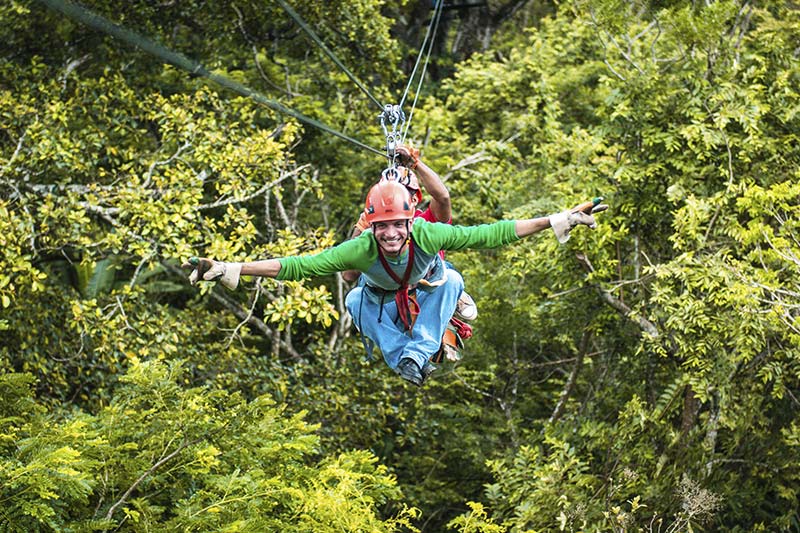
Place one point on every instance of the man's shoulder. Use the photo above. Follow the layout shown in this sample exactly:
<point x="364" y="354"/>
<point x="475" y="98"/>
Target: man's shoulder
<point x="424" y="228"/>
<point x="418" y="223"/>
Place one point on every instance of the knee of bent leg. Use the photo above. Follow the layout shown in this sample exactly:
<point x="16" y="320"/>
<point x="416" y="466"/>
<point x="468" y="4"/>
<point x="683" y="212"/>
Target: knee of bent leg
<point x="352" y="299"/>
<point x="454" y="277"/>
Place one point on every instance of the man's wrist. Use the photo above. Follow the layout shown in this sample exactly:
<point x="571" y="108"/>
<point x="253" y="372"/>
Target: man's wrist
<point x="230" y="275"/>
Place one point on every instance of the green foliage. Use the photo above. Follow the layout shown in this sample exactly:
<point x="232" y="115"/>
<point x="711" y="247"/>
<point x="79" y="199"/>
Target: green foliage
<point x="476" y="522"/>
<point x="644" y="376"/>
<point x="540" y="485"/>
<point x="672" y="118"/>
<point x="183" y="459"/>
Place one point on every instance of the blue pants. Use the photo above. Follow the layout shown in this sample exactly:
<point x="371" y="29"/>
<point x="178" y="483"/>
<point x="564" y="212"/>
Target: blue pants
<point x="436" y="308"/>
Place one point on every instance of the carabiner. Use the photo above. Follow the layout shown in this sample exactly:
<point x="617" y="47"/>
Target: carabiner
<point x="393" y="116"/>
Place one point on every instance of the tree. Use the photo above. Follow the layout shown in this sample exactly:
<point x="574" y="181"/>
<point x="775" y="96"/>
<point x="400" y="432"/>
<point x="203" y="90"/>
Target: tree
<point x="180" y="459"/>
<point x="676" y="111"/>
<point x="646" y="378"/>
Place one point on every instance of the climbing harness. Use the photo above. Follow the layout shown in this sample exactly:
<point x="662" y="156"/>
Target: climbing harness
<point x="407" y="307"/>
<point x="405" y="299"/>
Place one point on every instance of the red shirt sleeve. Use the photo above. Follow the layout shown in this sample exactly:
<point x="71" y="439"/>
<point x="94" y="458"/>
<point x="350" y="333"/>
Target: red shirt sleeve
<point x="428" y="216"/>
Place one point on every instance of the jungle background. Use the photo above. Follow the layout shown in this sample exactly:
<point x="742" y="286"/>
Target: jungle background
<point x="642" y="377"/>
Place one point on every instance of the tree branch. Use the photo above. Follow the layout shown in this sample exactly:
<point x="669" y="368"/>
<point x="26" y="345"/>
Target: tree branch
<point x="257" y="62"/>
<point x="573" y="376"/>
<point x="249" y="315"/>
<point x="646" y="326"/>
<point x="254" y="321"/>
<point x="259" y="192"/>
<point x="345" y="320"/>
<point x="15" y="154"/>
<point x="149" y="471"/>
<point x="467" y="161"/>
<point x="167" y="161"/>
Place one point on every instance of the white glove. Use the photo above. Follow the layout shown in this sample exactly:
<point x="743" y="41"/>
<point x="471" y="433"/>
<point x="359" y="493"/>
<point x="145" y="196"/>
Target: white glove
<point x="204" y="269"/>
<point x="563" y="222"/>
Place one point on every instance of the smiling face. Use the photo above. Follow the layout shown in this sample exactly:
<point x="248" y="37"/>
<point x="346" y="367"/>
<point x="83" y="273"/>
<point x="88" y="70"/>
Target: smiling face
<point x="391" y="235"/>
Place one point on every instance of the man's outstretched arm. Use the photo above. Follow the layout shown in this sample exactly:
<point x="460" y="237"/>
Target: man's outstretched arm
<point x="529" y="226"/>
<point x="266" y="268"/>
<point x="563" y="222"/>
<point x="205" y="269"/>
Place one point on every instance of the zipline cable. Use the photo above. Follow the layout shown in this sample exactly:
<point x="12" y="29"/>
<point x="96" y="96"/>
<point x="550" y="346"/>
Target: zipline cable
<point x="93" y="20"/>
<point x="435" y="25"/>
<point x="391" y="115"/>
<point x="300" y="22"/>
<point x="434" y="22"/>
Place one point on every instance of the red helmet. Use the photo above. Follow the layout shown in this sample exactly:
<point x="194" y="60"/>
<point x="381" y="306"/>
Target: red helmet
<point x="404" y="176"/>
<point x="388" y="200"/>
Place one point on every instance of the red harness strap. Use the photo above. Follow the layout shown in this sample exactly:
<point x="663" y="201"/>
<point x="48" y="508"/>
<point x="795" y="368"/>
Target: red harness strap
<point x="463" y="329"/>
<point x="407" y="308"/>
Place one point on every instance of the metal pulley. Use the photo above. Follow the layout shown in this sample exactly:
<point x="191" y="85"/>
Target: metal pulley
<point x="392" y="119"/>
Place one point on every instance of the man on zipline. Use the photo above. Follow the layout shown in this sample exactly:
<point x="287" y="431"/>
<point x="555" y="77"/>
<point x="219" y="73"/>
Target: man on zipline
<point x="412" y="172"/>
<point x="395" y="254"/>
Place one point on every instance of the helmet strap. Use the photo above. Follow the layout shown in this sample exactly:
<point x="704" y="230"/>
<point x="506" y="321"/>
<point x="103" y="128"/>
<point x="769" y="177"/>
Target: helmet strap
<point x="408" y="235"/>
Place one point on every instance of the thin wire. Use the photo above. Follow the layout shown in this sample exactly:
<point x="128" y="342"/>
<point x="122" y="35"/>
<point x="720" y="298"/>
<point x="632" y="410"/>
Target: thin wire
<point x="434" y="25"/>
<point x="300" y="22"/>
<point x="81" y="14"/>
<point x="421" y="53"/>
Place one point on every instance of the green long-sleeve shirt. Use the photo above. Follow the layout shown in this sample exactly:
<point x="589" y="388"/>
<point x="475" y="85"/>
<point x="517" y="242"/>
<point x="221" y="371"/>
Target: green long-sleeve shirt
<point x="361" y="253"/>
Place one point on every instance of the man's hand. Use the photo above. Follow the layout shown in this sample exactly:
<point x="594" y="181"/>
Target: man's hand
<point x="562" y="223"/>
<point x="361" y="226"/>
<point x="408" y="156"/>
<point x="204" y="269"/>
